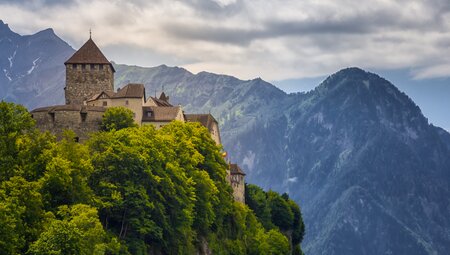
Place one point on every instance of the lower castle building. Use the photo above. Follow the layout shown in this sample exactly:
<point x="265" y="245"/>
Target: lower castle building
<point x="90" y="91"/>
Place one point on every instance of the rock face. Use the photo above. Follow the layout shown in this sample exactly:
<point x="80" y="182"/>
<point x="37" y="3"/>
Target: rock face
<point x="371" y="174"/>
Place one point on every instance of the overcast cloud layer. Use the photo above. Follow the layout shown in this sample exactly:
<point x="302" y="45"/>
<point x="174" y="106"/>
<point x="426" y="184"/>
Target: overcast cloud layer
<point x="275" y="40"/>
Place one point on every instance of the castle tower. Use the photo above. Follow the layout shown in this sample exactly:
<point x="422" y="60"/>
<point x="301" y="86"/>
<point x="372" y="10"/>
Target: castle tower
<point x="88" y="72"/>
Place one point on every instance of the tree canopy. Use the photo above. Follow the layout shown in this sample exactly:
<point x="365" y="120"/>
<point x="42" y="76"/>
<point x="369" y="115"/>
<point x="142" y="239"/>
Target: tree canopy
<point x="134" y="190"/>
<point x="116" y="118"/>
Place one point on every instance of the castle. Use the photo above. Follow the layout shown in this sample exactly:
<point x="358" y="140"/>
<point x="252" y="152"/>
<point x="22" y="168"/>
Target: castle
<point x="90" y="91"/>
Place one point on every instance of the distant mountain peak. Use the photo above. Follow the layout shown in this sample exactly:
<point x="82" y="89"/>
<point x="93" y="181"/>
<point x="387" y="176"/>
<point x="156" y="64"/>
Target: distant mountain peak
<point x="357" y="78"/>
<point x="354" y="73"/>
<point x="354" y="70"/>
<point x="47" y="31"/>
<point x="4" y="29"/>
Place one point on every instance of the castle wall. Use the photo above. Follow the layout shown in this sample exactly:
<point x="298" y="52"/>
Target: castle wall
<point x="215" y="133"/>
<point x="85" y="80"/>
<point x="134" y="104"/>
<point x="58" y="121"/>
<point x="238" y="185"/>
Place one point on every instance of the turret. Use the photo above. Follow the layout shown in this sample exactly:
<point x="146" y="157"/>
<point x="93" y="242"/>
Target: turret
<point x="88" y="72"/>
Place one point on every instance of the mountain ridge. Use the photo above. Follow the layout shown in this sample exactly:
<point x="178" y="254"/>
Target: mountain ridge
<point x="370" y="172"/>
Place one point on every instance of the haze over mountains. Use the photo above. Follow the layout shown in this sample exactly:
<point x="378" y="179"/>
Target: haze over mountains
<point x="371" y="174"/>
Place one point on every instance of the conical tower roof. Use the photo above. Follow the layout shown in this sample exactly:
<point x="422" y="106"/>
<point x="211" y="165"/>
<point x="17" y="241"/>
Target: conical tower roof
<point x="89" y="53"/>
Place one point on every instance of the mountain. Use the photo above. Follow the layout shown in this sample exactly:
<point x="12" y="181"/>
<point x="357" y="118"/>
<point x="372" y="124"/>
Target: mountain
<point x="370" y="172"/>
<point x="31" y="69"/>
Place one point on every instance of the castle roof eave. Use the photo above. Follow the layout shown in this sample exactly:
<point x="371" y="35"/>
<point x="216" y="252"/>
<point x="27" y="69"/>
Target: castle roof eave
<point x="89" y="53"/>
<point x="236" y="170"/>
<point x="69" y="108"/>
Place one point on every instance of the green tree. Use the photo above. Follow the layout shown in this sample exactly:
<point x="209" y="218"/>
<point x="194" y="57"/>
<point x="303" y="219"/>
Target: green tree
<point x="116" y="118"/>
<point x="273" y="243"/>
<point x="256" y="199"/>
<point x="145" y="192"/>
<point x="67" y="170"/>
<point x="277" y="212"/>
<point x="298" y="228"/>
<point x="129" y="191"/>
<point x="14" y="122"/>
<point x="280" y="211"/>
<point x="21" y="215"/>
<point x="77" y="230"/>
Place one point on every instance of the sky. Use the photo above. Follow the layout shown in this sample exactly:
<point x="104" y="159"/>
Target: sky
<point x="275" y="40"/>
<point x="294" y="44"/>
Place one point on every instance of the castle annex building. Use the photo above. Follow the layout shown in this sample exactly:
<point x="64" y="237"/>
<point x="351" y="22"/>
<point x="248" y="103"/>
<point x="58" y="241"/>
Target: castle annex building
<point x="89" y="91"/>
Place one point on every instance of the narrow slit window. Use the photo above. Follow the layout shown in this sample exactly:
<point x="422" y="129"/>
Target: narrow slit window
<point x="83" y="117"/>
<point x="52" y="116"/>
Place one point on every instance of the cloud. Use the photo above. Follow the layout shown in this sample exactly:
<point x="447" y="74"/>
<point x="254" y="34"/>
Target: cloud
<point x="277" y="39"/>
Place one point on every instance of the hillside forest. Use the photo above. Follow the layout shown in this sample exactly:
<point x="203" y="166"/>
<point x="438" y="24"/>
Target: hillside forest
<point x="131" y="190"/>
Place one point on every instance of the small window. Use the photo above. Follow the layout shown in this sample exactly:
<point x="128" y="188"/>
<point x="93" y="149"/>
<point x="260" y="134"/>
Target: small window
<point x="149" y="114"/>
<point x="100" y="67"/>
<point x="92" y="67"/>
<point x="74" y="66"/>
<point x="126" y="102"/>
<point x="52" y="116"/>
<point x="105" y="103"/>
<point x="83" y="116"/>
<point x="83" y="67"/>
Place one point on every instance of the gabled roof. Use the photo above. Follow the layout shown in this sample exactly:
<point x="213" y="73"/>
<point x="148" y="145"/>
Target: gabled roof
<point x="160" y="113"/>
<point x="132" y="90"/>
<point x="89" y="53"/>
<point x="207" y="120"/>
<point x="235" y="169"/>
<point x="160" y="102"/>
<point x="97" y="96"/>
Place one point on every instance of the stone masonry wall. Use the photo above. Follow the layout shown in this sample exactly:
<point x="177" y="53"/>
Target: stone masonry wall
<point x="72" y="120"/>
<point x="238" y="185"/>
<point x="85" y="80"/>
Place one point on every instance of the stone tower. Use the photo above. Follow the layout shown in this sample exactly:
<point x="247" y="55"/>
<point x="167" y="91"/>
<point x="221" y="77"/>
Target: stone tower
<point x="88" y="72"/>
